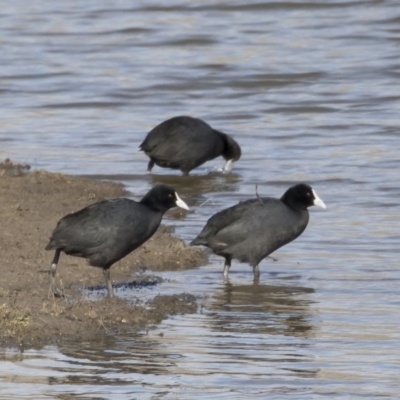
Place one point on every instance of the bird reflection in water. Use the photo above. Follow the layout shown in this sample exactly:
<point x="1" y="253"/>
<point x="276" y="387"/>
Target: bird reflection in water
<point x="261" y="308"/>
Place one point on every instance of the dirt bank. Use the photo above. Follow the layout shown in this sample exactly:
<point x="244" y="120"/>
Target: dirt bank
<point x="30" y="206"/>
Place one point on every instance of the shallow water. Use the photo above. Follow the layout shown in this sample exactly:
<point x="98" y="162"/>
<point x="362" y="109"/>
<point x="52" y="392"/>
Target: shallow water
<point x="310" y="91"/>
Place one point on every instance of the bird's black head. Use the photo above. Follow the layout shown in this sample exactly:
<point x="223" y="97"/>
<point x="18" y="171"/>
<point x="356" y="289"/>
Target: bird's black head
<point x="301" y="196"/>
<point x="232" y="149"/>
<point x="162" y="198"/>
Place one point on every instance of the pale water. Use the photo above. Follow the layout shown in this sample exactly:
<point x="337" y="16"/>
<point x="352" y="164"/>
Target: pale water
<point x="311" y="92"/>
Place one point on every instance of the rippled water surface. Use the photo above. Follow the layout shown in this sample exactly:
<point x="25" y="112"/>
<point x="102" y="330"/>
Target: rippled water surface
<point x="311" y="92"/>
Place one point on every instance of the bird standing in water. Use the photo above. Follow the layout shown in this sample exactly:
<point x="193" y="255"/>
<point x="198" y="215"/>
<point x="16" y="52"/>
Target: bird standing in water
<point x="253" y="229"/>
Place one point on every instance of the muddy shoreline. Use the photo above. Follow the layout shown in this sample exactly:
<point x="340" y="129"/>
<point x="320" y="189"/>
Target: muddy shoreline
<point x="31" y="203"/>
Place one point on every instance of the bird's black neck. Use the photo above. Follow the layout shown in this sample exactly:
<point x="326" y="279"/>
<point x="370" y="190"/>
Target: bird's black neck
<point x="152" y="203"/>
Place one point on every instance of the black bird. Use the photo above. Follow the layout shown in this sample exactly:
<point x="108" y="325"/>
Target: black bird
<point x="185" y="143"/>
<point x="253" y="229"/>
<point x="107" y="231"/>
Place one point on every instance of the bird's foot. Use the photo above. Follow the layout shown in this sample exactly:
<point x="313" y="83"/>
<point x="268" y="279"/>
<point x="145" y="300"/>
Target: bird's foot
<point x="55" y="292"/>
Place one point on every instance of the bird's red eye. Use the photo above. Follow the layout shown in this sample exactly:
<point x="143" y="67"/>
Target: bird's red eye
<point x="308" y="194"/>
<point x="170" y="195"/>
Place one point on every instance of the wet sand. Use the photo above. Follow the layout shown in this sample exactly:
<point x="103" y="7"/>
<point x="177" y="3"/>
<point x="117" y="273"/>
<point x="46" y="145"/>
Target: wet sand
<point x="31" y="203"/>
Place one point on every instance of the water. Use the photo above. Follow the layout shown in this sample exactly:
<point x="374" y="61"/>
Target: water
<point x="310" y="91"/>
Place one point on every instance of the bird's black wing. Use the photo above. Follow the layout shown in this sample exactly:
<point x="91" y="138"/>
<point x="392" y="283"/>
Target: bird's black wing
<point x="175" y="141"/>
<point x="175" y="129"/>
<point x="86" y="228"/>
<point x="106" y="224"/>
<point x="229" y="217"/>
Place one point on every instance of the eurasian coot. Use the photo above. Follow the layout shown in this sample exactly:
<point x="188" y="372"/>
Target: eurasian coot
<point x="185" y="143"/>
<point x="107" y="231"/>
<point x="253" y="229"/>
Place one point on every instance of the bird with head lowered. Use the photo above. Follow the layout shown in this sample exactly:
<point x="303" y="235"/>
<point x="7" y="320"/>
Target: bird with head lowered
<point x="185" y="143"/>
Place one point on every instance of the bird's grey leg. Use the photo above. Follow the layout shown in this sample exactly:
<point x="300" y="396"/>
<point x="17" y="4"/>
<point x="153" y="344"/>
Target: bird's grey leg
<point x="150" y="165"/>
<point x="256" y="279"/>
<point x="106" y="273"/>
<point x="53" y="287"/>
<point x="227" y="266"/>
<point x="256" y="271"/>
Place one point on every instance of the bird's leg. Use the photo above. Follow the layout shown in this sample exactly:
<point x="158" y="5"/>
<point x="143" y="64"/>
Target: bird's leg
<point x="256" y="271"/>
<point x="150" y="165"/>
<point x="227" y="266"/>
<point x="106" y="273"/>
<point x="256" y="279"/>
<point x="53" y="287"/>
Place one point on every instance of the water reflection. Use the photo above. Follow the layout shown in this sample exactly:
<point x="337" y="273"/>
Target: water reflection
<point x="260" y="308"/>
<point x="116" y="356"/>
<point x="195" y="187"/>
